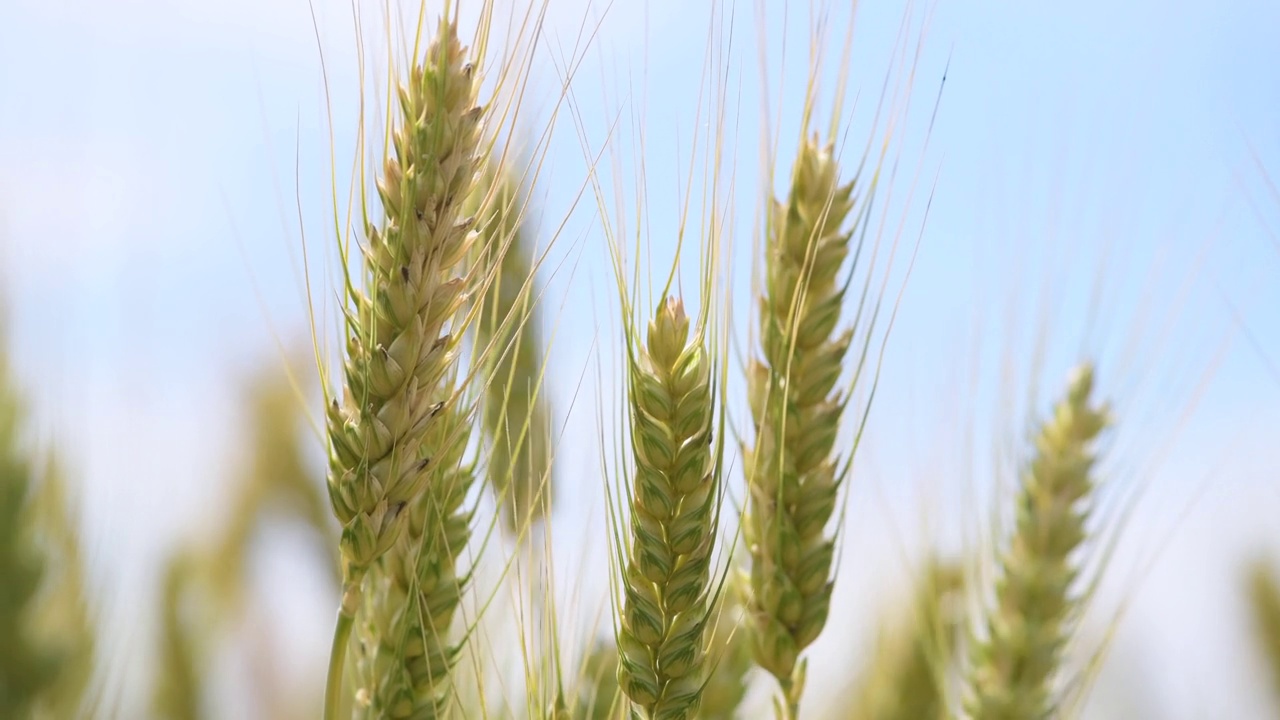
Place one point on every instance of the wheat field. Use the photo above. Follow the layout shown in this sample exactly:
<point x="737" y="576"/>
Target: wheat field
<point x="577" y="360"/>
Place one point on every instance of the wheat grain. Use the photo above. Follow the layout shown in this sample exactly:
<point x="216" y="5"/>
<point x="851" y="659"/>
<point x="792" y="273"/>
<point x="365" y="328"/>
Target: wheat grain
<point x="674" y="503"/>
<point x="792" y="474"/>
<point x="1013" y="667"/>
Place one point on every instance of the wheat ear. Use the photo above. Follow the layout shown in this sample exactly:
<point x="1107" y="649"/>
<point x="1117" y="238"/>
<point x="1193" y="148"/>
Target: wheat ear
<point x="516" y="416"/>
<point x="674" y="505"/>
<point x="402" y="336"/>
<point x="909" y="671"/>
<point x="27" y="667"/>
<point x="1264" y="600"/>
<point x="792" y="473"/>
<point x="177" y="692"/>
<point x="1013" y="667"/>
<point x="64" y="620"/>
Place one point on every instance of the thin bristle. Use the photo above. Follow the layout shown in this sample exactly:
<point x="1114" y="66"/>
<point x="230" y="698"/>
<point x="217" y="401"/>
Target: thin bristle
<point x="1014" y="666"/>
<point x="661" y="652"/>
<point x="792" y="472"/>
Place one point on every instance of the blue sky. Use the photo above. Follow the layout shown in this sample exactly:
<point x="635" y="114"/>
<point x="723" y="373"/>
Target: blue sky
<point x="151" y="242"/>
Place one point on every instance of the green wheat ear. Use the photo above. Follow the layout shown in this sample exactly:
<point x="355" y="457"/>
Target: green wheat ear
<point x="792" y="472"/>
<point x="674" y="506"/>
<point x="27" y="667"/>
<point x="1014" y="666"/>
<point x="64" y="620"/>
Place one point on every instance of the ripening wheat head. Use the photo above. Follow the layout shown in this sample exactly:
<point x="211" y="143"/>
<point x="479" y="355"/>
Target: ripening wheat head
<point x="792" y="472"/>
<point x="675" y="497"/>
<point x="398" y="437"/>
<point x="1013" y="668"/>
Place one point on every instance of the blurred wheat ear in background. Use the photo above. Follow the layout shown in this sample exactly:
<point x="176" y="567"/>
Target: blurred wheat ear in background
<point x="517" y="419"/>
<point x="47" y="635"/>
<point x="1264" y="601"/>
<point x="1015" y="665"/>
<point x="909" y="674"/>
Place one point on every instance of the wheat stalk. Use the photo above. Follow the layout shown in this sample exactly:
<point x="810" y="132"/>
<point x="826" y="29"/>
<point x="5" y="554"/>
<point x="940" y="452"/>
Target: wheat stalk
<point x="393" y="437"/>
<point x="792" y="474"/>
<point x="1014" y="666"/>
<point x="674" y="505"/>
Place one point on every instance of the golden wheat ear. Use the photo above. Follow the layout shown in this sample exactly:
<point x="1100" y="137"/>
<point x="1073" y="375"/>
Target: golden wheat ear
<point x="1013" y="668"/>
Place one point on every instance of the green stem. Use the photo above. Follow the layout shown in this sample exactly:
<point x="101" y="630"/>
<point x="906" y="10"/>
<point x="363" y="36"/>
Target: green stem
<point x="341" y="637"/>
<point x="790" y="704"/>
<point x="337" y="660"/>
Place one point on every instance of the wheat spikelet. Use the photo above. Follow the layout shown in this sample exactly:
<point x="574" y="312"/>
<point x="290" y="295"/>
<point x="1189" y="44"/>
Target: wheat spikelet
<point x="1264" y="600"/>
<point x="516" y="417"/>
<point x="792" y="474"/>
<point x="909" y="670"/>
<point x="1013" y="667"/>
<point x="673" y="510"/>
<point x="395" y="440"/>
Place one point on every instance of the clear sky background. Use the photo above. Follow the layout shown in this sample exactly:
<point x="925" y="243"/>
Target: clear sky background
<point x="1095" y="177"/>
